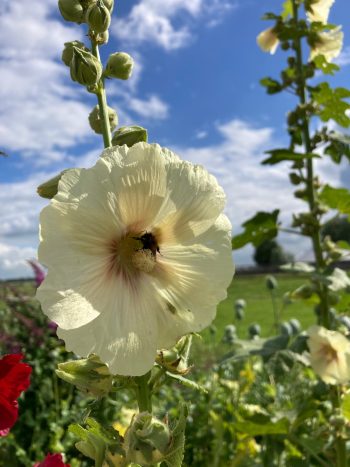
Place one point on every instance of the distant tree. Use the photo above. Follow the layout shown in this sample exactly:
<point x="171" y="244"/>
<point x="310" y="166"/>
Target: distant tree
<point x="338" y="229"/>
<point x="270" y="253"/>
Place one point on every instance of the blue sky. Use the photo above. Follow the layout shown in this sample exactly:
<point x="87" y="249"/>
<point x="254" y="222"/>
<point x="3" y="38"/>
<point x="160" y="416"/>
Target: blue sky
<point x="195" y="88"/>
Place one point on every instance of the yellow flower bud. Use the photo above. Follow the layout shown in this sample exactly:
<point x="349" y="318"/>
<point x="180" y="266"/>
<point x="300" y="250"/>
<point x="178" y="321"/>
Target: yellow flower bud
<point x="119" y="65"/>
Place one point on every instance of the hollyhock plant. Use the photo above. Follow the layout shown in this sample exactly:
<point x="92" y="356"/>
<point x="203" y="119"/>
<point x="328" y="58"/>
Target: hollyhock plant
<point x="329" y="355"/>
<point x="39" y="273"/>
<point x="138" y="254"/>
<point x="52" y="460"/>
<point x="14" y="378"/>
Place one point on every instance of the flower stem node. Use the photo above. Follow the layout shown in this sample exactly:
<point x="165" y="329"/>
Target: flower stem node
<point x="147" y="440"/>
<point x="85" y="68"/>
<point x="119" y="65"/>
<point x="96" y="121"/>
<point x="89" y="375"/>
<point x="72" y="10"/>
<point x="67" y="53"/>
<point x="98" y="17"/>
<point x="129" y="135"/>
<point x="49" y="189"/>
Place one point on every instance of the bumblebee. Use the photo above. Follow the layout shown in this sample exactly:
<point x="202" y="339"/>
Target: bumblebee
<point x="149" y="242"/>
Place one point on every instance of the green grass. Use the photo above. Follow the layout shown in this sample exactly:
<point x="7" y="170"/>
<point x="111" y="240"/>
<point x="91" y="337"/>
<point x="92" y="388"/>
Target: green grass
<point x="252" y="289"/>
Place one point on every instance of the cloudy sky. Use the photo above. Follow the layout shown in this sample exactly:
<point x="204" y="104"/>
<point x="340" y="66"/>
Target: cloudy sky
<point x="195" y="88"/>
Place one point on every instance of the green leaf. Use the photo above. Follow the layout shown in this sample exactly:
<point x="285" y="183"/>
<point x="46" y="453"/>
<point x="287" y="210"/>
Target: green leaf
<point x="336" y="198"/>
<point x="175" y="456"/>
<point x="272" y="86"/>
<point x="280" y="155"/>
<point x="332" y="105"/>
<point x="343" y="245"/>
<point x="263" y="226"/>
<point x="326" y="67"/>
<point x="187" y="382"/>
<point x="339" y="146"/>
<point x="287" y="9"/>
<point x="345" y="406"/>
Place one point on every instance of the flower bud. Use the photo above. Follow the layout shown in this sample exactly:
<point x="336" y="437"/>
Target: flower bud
<point x="230" y="334"/>
<point x="96" y="122"/>
<point x="67" y="53"/>
<point x="119" y="65"/>
<point x="268" y="40"/>
<point x="71" y="10"/>
<point x="98" y="17"/>
<point x="88" y="375"/>
<point x="147" y="440"/>
<point x="271" y="283"/>
<point x="254" y="330"/>
<point x="129" y="135"/>
<point x="286" y="329"/>
<point x="49" y="189"/>
<point x="109" y="4"/>
<point x="295" y="325"/>
<point x="85" y="68"/>
<point x="175" y="360"/>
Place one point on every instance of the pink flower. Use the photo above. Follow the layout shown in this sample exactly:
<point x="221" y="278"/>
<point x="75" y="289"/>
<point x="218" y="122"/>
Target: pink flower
<point x="14" y="378"/>
<point x="52" y="460"/>
<point x="39" y="272"/>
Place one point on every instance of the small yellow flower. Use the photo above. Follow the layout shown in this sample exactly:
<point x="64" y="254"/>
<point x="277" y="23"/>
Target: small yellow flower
<point x="319" y="10"/>
<point x="329" y="355"/>
<point x="329" y="44"/>
<point x="268" y="41"/>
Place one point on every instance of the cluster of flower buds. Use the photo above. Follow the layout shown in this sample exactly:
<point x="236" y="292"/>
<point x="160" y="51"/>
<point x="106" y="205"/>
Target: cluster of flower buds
<point x="96" y="13"/>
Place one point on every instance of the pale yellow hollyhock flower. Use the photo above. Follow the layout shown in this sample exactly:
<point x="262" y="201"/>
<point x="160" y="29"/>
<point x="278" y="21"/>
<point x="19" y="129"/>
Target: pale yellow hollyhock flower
<point x="138" y="254"/>
<point x="320" y="11"/>
<point x="329" y="44"/>
<point x="329" y="355"/>
<point x="268" y="41"/>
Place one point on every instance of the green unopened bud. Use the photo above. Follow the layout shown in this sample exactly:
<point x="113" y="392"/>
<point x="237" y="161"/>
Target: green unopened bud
<point x="67" y="53"/>
<point x="98" y="17"/>
<point x="305" y="292"/>
<point x="85" y="68"/>
<point x="175" y="360"/>
<point x="109" y="4"/>
<point x="129" y="135"/>
<point x="271" y="283"/>
<point x="294" y="178"/>
<point x="71" y="10"/>
<point x="240" y="303"/>
<point x="254" y="330"/>
<point x="96" y="121"/>
<point x="88" y="375"/>
<point x="119" y="65"/>
<point x="49" y="189"/>
<point x="147" y="440"/>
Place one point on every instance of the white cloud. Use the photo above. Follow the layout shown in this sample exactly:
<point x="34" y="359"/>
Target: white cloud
<point x="13" y="261"/>
<point x="344" y="58"/>
<point x="152" y="108"/>
<point x="157" y="21"/>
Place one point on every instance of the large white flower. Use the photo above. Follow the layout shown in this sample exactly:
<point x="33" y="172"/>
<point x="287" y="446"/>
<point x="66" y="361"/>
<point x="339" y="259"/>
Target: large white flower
<point x="319" y="10"/>
<point x="268" y="40"/>
<point x="329" y="44"/>
<point x="329" y="355"/>
<point x="138" y="254"/>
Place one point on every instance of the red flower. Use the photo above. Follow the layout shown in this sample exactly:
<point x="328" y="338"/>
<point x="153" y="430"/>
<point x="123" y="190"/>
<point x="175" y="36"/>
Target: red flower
<point x="14" y="378"/>
<point x="52" y="460"/>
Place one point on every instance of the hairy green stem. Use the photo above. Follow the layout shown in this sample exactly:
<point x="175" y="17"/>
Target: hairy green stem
<point x="143" y="393"/>
<point x="311" y="194"/>
<point x="340" y="445"/>
<point x="102" y="102"/>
